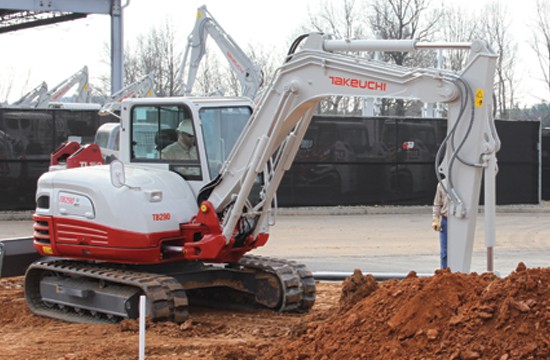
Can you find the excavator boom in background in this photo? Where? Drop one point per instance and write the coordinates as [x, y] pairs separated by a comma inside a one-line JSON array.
[[32, 98], [249, 75], [78, 81], [180, 231], [144, 87]]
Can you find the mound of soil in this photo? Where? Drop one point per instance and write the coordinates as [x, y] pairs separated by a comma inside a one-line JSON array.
[[447, 316]]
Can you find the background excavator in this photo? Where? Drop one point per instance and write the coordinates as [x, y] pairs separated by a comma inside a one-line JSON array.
[[78, 81], [33, 97], [249, 75], [144, 87], [41, 98], [180, 231]]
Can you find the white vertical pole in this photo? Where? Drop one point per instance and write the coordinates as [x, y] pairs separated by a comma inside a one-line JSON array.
[[490, 200], [142, 316]]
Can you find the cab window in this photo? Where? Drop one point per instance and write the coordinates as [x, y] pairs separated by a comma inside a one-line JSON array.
[[221, 127], [165, 134]]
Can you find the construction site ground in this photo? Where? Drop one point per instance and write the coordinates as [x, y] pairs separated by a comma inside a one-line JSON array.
[[441, 316]]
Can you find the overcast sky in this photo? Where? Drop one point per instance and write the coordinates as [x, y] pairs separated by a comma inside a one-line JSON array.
[[53, 53]]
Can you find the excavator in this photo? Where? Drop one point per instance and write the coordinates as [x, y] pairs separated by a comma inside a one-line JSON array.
[[33, 97], [78, 79], [249, 75], [180, 231], [144, 87]]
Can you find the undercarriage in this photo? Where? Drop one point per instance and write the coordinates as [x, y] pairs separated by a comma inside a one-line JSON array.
[[87, 292]]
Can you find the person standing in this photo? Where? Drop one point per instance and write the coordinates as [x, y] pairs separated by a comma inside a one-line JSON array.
[[439, 220]]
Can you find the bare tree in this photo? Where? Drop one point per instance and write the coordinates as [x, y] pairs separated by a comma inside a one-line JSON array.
[[132, 70], [541, 39], [496, 26], [458, 25], [156, 52], [7, 81], [346, 21], [210, 76], [268, 60], [6, 86], [131, 65], [404, 19]]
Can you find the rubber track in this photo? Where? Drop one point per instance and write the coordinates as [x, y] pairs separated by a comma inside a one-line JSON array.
[[297, 281], [165, 296]]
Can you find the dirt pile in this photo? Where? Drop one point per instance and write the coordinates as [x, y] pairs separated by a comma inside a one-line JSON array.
[[447, 316]]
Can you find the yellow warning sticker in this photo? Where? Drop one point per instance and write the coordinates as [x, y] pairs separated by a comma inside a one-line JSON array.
[[479, 97]]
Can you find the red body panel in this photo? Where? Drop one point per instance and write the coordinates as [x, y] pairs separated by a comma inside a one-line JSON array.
[[87, 155], [63, 151], [75, 155], [201, 239]]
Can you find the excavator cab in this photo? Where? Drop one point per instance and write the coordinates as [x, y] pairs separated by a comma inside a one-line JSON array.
[[152, 126]]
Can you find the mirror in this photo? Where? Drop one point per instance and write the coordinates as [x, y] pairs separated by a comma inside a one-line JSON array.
[[118, 178]]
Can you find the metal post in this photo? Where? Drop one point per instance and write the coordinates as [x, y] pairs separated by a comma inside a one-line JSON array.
[[490, 198], [117, 74], [142, 316]]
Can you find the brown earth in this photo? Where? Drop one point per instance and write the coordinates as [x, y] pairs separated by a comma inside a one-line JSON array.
[[446, 316]]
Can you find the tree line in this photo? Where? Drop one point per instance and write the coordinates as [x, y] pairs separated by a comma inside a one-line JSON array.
[[159, 51]]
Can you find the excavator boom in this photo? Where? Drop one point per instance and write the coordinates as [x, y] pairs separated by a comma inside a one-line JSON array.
[[33, 97], [278, 125], [78, 80], [144, 87], [249, 75]]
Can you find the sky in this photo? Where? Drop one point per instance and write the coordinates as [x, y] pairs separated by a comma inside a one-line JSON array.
[[53, 53]]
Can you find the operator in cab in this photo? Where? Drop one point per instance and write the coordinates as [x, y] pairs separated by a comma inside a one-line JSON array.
[[184, 148]]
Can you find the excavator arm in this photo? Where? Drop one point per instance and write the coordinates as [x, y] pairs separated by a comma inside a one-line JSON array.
[[144, 87], [30, 99], [272, 138], [79, 79], [248, 74]]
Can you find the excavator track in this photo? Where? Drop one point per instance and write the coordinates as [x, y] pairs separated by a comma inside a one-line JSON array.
[[298, 284], [83, 292], [86, 293]]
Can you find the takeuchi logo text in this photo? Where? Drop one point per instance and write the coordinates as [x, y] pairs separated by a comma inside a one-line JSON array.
[[357, 83]]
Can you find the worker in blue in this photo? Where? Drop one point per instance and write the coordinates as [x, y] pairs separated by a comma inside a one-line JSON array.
[[439, 220]]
